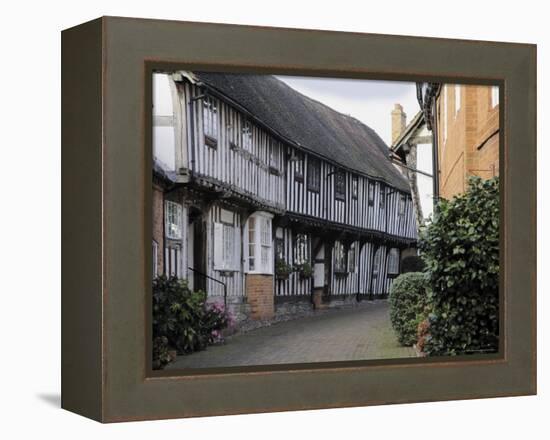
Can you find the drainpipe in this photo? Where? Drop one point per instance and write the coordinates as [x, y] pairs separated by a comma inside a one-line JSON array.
[[435, 148]]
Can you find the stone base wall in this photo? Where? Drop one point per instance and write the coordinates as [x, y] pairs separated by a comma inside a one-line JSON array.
[[260, 296]]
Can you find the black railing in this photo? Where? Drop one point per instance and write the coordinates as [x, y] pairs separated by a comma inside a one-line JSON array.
[[198, 272]]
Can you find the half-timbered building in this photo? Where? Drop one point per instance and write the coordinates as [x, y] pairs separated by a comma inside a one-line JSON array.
[[262, 195]]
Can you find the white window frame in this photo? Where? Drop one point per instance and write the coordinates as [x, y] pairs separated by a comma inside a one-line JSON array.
[[226, 246], [495, 97], [259, 244], [173, 217], [458, 100], [176, 253], [393, 261]]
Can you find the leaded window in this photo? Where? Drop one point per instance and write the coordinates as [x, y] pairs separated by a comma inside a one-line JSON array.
[[371, 194], [246, 134], [393, 261], [313, 174], [340, 185], [383, 197], [401, 209], [298, 165], [210, 121], [173, 220], [339, 257], [301, 249], [376, 263]]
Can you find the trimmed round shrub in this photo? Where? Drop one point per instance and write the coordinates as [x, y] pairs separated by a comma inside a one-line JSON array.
[[461, 250], [412, 263], [408, 299]]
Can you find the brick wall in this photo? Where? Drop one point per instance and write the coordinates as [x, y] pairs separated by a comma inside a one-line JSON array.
[[259, 293], [158, 225], [472, 143]]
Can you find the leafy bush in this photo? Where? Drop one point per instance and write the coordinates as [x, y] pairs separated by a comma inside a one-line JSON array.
[[408, 298], [412, 263], [461, 250], [161, 353], [184, 317]]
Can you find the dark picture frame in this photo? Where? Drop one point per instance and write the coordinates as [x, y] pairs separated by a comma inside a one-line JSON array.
[[106, 200]]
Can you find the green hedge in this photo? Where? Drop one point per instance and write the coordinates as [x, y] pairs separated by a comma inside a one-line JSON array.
[[461, 251], [408, 299]]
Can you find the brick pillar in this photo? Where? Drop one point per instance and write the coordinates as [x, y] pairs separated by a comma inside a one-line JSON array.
[[318, 298], [259, 292]]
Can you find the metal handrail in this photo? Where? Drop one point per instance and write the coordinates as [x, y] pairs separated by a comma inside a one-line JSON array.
[[215, 280]]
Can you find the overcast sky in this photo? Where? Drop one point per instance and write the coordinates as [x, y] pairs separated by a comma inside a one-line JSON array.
[[369, 101]]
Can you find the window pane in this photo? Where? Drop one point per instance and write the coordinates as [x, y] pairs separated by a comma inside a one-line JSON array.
[[210, 118], [247, 136], [371, 193], [313, 174], [340, 185], [228, 245], [173, 220]]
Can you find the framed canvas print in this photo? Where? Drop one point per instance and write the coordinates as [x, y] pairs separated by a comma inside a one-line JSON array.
[[263, 219]]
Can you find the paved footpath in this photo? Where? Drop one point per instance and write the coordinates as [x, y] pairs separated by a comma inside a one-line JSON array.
[[353, 334]]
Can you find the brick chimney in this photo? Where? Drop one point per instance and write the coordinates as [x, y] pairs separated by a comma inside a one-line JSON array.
[[398, 122]]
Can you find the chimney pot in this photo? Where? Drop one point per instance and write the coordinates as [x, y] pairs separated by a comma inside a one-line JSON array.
[[398, 122]]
